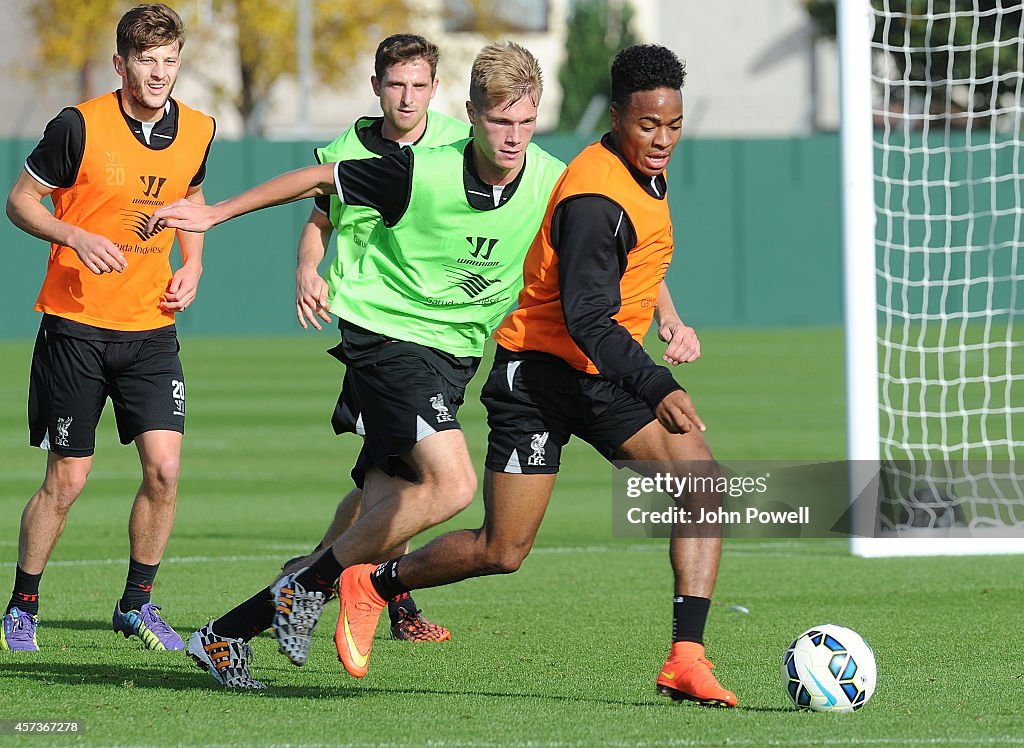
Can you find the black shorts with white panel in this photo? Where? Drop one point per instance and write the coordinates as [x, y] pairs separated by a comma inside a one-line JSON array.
[[76, 367], [396, 393], [535, 402]]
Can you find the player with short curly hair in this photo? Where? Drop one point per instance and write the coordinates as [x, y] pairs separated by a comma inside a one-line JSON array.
[[644, 67]]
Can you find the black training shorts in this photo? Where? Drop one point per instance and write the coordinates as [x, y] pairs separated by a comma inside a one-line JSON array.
[[396, 393], [73, 377], [536, 401]]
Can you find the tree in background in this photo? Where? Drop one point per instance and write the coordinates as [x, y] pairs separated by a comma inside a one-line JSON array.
[[345, 32], [977, 56], [255, 37], [74, 37], [78, 36], [597, 29], [492, 19]]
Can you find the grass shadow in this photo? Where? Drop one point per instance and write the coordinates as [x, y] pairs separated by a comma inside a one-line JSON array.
[[181, 677]]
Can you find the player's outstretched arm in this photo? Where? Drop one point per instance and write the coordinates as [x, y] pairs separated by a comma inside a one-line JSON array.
[[184, 285], [683, 345], [186, 215]]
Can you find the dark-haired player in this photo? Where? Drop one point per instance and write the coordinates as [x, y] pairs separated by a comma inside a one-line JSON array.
[[570, 361], [405, 80]]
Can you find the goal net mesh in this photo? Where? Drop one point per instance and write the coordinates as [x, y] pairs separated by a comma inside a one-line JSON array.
[[948, 79]]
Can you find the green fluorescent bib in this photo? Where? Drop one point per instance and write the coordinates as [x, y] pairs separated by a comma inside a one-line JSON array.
[[354, 223], [446, 274]]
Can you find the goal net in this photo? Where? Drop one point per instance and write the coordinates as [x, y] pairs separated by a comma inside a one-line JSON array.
[[943, 413]]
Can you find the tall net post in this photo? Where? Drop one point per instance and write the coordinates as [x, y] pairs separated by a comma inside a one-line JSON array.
[[943, 407]]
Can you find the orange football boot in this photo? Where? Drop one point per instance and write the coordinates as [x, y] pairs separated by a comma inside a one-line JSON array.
[[687, 676], [357, 620]]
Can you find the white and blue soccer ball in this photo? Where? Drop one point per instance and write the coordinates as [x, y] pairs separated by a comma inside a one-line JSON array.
[[829, 668]]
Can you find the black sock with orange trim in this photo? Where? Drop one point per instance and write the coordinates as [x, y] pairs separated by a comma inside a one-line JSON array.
[[25, 596], [399, 604], [137, 585]]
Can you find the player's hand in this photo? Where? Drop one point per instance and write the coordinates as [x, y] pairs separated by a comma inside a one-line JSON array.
[[98, 253], [683, 344], [310, 298], [676, 413], [185, 215], [181, 291]]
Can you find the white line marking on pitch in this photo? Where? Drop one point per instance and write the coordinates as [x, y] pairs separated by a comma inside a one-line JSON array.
[[543, 550]]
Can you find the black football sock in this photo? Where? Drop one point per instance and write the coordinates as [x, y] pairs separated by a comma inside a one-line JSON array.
[[399, 604], [322, 575], [137, 585], [385, 580], [25, 596], [689, 614], [245, 621]]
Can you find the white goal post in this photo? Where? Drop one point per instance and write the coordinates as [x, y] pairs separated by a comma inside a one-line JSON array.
[[933, 232]]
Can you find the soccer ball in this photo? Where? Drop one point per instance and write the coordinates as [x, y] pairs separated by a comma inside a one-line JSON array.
[[829, 669]]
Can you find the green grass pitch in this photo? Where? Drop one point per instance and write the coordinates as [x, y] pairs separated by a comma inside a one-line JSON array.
[[563, 653]]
